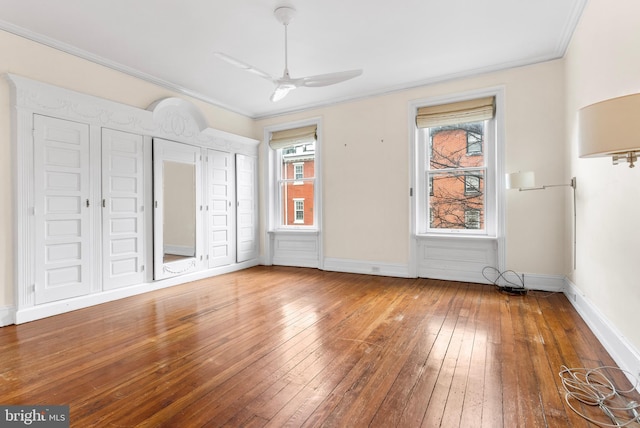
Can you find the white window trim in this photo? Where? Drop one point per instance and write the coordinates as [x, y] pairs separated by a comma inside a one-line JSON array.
[[271, 192], [309, 238], [419, 183]]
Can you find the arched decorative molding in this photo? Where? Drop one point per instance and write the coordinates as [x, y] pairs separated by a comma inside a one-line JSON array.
[[175, 116], [170, 118]]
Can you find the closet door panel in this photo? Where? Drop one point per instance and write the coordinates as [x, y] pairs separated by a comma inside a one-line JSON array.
[[61, 209], [247, 218], [122, 208], [220, 208]]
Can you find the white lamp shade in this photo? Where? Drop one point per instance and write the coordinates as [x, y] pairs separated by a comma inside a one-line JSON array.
[[610, 127], [520, 180]]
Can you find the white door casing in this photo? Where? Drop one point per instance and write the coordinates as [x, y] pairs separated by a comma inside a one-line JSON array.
[[61, 209], [122, 209]]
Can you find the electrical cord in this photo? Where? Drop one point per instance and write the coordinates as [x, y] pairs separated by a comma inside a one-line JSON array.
[[593, 388], [509, 287]]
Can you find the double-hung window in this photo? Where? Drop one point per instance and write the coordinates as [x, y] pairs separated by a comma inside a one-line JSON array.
[[295, 175], [456, 159]]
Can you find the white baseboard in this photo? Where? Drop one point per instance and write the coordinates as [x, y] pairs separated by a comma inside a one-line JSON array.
[[7, 315], [55, 308], [366, 267], [622, 352], [541, 282]]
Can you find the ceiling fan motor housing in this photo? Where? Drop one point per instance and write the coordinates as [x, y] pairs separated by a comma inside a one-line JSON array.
[[284, 14]]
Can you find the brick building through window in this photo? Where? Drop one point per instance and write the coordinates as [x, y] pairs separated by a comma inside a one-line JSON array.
[[456, 176]]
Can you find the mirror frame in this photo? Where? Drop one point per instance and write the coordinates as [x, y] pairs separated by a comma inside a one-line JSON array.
[[165, 150]]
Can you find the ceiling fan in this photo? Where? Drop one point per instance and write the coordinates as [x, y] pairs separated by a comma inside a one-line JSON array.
[[286, 83]]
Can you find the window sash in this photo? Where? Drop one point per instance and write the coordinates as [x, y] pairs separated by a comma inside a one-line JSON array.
[[438, 156], [469, 187], [288, 212]]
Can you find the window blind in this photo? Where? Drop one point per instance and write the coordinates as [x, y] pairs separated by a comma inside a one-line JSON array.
[[459, 112], [289, 137]]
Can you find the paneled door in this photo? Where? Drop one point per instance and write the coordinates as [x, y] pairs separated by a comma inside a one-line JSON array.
[[122, 209], [220, 208], [61, 209], [247, 218]]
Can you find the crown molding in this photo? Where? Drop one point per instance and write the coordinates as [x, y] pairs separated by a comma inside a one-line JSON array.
[[72, 50]]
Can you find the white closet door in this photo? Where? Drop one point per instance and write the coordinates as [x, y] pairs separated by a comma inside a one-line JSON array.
[[122, 209], [247, 226], [220, 209], [61, 209]]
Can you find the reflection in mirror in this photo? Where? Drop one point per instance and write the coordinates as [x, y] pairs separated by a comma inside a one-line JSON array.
[[179, 227]]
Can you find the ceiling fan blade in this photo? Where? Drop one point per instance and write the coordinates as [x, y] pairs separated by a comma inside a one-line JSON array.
[[328, 79], [243, 65]]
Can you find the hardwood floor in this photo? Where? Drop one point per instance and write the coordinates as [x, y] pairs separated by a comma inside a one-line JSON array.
[[275, 346]]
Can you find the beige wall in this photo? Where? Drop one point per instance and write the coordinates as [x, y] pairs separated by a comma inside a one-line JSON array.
[[603, 62], [23, 57], [366, 169]]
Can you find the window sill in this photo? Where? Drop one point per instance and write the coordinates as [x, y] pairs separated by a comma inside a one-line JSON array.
[[295, 230], [456, 236]]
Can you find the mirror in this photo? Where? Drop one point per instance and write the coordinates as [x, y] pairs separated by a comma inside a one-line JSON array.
[[179, 226], [176, 172]]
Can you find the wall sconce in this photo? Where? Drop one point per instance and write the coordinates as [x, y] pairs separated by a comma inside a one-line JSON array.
[[608, 128], [524, 181]]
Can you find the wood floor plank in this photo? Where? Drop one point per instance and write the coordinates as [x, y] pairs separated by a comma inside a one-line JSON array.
[[492, 406], [472, 407], [278, 346]]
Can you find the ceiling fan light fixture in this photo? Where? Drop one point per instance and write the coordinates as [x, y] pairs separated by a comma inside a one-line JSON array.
[[281, 91]]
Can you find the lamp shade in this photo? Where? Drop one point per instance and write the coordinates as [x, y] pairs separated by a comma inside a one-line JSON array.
[[520, 180], [609, 127]]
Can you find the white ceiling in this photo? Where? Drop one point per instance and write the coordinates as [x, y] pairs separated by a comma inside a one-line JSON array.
[[398, 44]]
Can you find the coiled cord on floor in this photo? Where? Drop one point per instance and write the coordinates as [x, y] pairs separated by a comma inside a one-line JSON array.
[[508, 286], [593, 388]]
